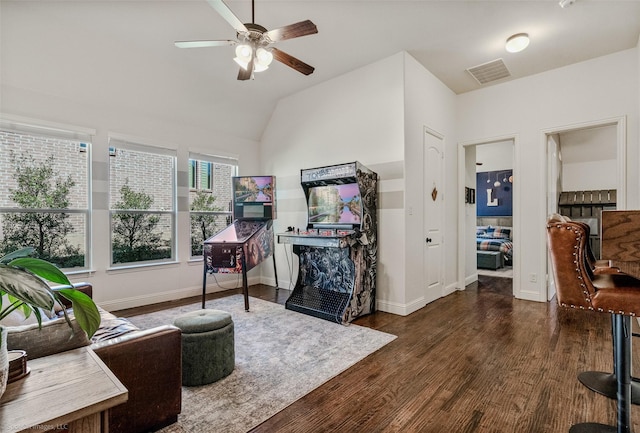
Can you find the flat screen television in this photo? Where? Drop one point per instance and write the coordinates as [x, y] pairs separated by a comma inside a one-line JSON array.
[[254, 197], [335, 204]]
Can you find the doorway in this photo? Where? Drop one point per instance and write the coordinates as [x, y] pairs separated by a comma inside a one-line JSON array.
[[467, 216], [586, 172], [494, 209]]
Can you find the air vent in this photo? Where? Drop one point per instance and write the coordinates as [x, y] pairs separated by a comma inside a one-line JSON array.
[[490, 71]]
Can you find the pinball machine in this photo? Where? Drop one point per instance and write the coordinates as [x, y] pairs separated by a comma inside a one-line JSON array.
[[249, 239]]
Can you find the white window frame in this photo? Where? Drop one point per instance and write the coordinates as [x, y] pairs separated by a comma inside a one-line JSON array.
[[23, 125], [138, 145], [211, 159]]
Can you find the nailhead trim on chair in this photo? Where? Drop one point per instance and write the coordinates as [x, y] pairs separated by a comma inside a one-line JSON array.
[[580, 277], [579, 274]]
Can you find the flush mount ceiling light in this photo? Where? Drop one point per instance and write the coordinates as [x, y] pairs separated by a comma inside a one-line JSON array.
[[517, 42], [566, 3]]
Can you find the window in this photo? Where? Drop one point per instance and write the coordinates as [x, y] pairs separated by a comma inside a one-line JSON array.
[[209, 197], [142, 197], [45, 201]]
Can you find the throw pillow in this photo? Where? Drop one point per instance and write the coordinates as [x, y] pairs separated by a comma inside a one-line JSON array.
[[54, 336]]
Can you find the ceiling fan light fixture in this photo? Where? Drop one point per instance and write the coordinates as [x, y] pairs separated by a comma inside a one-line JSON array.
[[241, 62], [263, 59], [264, 56], [517, 42], [252, 52], [257, 67], [244, 53]]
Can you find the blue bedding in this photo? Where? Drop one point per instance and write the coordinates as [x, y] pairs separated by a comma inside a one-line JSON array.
[[496, 244]]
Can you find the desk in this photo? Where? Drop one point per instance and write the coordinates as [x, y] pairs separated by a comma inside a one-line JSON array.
[[72, 389], [621, 240]]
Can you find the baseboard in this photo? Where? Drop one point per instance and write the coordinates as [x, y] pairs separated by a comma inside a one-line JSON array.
[[471, 279], [172, 295], [450, 289], [399, 309]]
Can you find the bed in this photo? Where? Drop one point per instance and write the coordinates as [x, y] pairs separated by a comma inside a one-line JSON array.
[[494, 239]]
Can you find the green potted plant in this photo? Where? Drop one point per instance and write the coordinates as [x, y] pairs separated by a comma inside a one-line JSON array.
[[23, 280]]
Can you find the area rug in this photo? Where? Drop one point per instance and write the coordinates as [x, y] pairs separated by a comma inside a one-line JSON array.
[[281, 355]]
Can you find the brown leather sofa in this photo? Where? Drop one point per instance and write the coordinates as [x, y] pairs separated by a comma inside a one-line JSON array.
[[147, 362]]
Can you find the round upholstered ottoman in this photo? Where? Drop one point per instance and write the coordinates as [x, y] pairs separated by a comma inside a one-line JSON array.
[[208, 352]]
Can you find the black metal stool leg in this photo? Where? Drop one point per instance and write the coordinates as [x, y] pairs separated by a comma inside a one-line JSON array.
[[605, 383], [622, 347]]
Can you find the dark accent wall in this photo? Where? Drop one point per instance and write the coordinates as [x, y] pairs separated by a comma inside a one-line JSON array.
[[498, 201]]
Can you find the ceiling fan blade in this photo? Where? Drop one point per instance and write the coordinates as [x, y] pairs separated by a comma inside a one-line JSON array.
[[245, 74], [292, 62], [203, 44], [291, 31], [228, 15]]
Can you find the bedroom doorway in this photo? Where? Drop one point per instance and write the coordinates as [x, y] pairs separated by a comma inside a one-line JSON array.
[[494, 209], [497, 159]]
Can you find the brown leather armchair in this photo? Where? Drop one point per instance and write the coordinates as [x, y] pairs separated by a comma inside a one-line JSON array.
[[619, 295], [597, 266]]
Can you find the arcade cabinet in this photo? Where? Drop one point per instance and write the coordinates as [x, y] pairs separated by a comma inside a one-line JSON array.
[[248, 241], [337, 251]]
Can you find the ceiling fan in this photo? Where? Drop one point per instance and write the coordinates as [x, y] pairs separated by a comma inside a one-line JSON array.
[[253, 53]]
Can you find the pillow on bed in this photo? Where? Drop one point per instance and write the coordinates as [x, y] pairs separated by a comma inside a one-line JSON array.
[[486, 229]]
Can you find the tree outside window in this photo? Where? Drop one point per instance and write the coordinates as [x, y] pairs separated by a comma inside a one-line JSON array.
[[209, 199], [44, 204], [142, 197]]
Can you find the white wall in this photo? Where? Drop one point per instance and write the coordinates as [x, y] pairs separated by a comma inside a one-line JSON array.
[[602, 88], [355, 117], [495, 156], [428, 103], [375, 115], [589, 159]]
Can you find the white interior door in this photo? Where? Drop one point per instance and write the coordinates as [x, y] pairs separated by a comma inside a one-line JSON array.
[[433, 189]]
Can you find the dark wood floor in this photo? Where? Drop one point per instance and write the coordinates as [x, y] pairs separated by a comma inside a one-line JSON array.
[[475, 361]]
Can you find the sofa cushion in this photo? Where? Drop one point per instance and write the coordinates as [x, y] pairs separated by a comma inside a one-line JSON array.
[[54, 336]]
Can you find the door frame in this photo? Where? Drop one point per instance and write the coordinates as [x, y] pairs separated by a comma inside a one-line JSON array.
[[462, 224], [621, 184]]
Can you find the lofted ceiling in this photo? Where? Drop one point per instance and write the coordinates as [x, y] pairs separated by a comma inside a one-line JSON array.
[[110, 51]]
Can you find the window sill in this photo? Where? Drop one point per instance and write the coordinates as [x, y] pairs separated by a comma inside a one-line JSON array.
[[140, 267]]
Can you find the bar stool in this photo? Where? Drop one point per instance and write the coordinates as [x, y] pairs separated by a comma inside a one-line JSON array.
[[599, 381], [619, 295]]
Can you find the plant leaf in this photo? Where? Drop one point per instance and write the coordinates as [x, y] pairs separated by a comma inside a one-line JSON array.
[[26, 287], [84, 310], [41, 268], [24, 252]]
